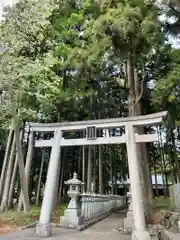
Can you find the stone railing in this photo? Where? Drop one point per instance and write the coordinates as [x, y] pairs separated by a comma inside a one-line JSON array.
[[117, 202], [93, 206]]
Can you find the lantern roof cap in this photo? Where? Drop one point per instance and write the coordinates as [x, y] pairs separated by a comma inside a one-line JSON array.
[[74, 180]]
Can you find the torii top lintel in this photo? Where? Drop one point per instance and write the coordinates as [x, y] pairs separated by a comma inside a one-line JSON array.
[[101, 123]]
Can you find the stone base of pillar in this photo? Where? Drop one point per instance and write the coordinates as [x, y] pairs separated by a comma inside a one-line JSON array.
[[129, 222], [71, 219], [144, 235], [66, 223], [44, 230]]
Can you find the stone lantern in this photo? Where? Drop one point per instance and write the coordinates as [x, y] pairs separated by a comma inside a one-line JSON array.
[[74, 186], [72, 218]]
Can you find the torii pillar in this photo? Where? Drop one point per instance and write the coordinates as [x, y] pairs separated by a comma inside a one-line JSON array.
[[44, 227], [139, 232]]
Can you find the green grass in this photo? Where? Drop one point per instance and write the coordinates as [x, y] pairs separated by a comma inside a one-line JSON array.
[[162, 203]]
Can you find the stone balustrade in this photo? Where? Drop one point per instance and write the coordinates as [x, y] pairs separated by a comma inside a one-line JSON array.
[[94, 207], [116, 201]]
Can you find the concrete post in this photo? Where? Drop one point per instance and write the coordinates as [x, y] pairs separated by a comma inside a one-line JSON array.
[[139, 232], [44, 227]]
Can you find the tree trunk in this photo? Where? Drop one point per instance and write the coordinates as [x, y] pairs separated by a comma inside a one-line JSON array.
[[101, 190], [94, 189], [14, 175], [134, 110], [64, 157], [111, 170], [40, 177], [83, 168], [156, 181], [131, 85], [23, 181], [6, 157], [27, 166], [164, 166], [162, 174], [142, 150], [79, 161], [8, 178], [167, 186], [175, 157], [172, 162], [10, 197], [115, 180], [89, 176], [61, 182], [56, 195]]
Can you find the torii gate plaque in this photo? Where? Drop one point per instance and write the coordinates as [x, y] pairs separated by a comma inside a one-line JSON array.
[[140, 232]]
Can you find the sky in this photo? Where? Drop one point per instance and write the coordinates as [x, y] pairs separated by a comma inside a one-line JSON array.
[[6, 2]]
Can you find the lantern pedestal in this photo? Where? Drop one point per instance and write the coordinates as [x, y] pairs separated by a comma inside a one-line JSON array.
[[72, 216], [71, 219]]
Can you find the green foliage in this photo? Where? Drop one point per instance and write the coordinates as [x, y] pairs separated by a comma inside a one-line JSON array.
[[26, 66], [162, 203], [125, 26], [28, 85], [26, 29], [168, 86]]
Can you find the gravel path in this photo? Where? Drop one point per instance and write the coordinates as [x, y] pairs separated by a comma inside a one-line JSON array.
[[106, 229]]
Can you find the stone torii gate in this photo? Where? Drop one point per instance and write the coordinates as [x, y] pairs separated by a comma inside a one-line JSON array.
[[130, 138]]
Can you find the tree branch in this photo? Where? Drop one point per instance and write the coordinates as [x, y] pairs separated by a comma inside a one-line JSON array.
[[141, 93], [174, 10]]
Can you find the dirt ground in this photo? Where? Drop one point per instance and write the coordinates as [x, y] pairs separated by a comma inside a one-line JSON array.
[[106, 229], [13, 221], [4, 229]]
